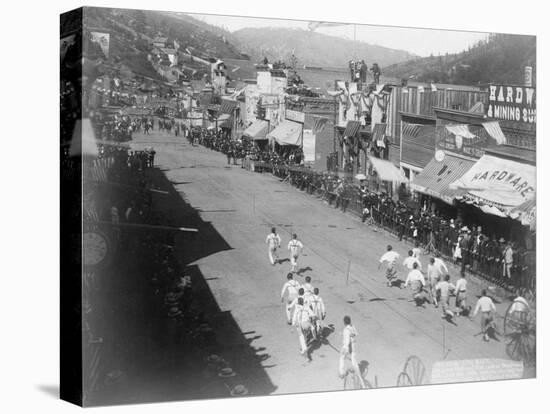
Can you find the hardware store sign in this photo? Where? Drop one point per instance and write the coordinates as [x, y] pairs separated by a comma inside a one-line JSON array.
[[512, 103]]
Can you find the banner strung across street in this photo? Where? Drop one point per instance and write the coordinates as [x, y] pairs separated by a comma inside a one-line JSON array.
[[512, 103]]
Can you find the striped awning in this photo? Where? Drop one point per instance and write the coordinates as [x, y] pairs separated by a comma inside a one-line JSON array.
[[526, 213], [228, 106], [352, 127], [434, 180], [378, 132]]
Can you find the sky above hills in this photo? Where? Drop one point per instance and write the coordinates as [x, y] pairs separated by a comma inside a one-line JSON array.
[[421, 42]]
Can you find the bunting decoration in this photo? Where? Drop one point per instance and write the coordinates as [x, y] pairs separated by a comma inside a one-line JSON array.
[[411, 130], [460, 130], [493, 129], [319, 124]]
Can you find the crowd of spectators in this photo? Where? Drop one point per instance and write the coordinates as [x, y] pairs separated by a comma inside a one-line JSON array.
[[508, 263]]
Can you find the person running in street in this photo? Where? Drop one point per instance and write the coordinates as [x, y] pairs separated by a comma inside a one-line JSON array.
[[308, 287], [434, 276], [317, 306], [273, 241], [389, 258], [440, 265], [302, 321], [410, 261], [444, 289], [417, 282], [460, 303], [487, 307], [295, 246], [349, 349], [291, 289]]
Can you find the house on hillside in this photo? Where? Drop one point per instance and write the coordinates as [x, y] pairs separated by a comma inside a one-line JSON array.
[[172, 56], [160, 42]]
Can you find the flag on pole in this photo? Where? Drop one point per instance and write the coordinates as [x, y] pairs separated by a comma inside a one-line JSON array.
[[460, 130], [493, 129]]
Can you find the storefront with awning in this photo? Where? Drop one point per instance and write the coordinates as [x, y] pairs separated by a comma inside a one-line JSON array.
[[287, 133], [436, 178], [384, 175], [417, 143], [387, 171], [228, 106], [225, 121], [499, 186], [257, 130]]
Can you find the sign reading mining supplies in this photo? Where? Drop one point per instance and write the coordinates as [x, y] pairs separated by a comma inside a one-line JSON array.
[[512, 103]]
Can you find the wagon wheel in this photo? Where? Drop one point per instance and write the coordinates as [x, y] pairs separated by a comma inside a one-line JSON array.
[[415, 369], [521, 344], [515, 321], [403, 380]]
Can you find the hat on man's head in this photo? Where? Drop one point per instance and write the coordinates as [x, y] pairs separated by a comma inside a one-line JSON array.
[[174, 311], [501, 240], [226, 372], [238, 391], [465, 228]]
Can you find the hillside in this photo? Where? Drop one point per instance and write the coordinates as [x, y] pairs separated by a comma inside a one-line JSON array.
[[311, 48], [132, 32], [499, 59]]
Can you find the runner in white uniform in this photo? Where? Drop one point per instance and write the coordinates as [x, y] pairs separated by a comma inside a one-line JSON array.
[[317, 305], [389, 258], [295, 246], [273, 241], [302, 322], [291, 288]]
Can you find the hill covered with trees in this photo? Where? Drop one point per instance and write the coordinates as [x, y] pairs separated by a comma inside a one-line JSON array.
[[311, 48], [501, 58]]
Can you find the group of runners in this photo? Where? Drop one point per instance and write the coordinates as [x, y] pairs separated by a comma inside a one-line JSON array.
[[305, 308], [437, 288], [306, 311]]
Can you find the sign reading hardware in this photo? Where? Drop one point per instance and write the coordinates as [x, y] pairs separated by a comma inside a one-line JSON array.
[[512, 103]]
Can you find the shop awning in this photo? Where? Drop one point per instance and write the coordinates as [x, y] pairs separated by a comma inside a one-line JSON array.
[[435, 179], [498, 182], [352, 127], [227, 106], [378, 132], [225, 121], [287, 133], [257, 130], [387, 171], [526, 212]]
